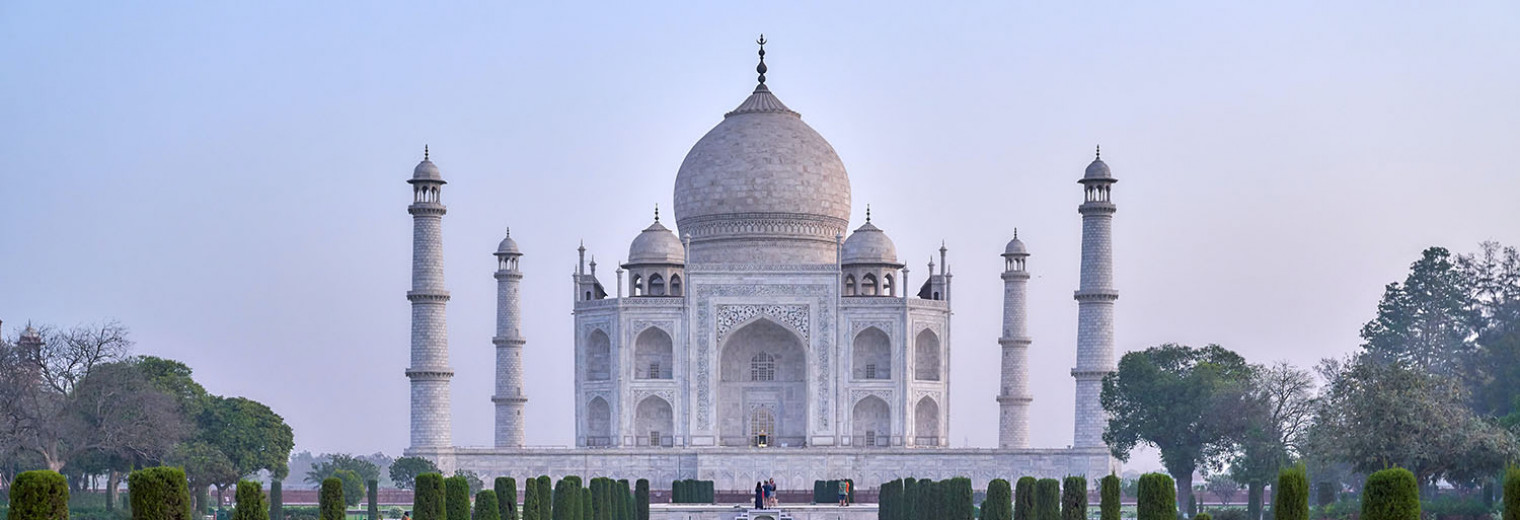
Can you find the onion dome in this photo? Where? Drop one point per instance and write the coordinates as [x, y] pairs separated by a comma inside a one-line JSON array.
[[869, 245], [426, 170], [656, 245], [762, 175], [508, 246], [1098, 170], [1015, 246]]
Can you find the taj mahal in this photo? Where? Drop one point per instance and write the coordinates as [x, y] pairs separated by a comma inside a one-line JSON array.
[[762, 337]]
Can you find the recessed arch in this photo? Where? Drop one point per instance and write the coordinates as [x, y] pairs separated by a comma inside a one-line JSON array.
[[868, 285], [926, 356], [871, 355], [598, 356], [598, 422], [849, 285], [637, 285], [871, 423], [675, 285], [926, 430], [762, 364], [656, 285], [654, 422], [653, 354]]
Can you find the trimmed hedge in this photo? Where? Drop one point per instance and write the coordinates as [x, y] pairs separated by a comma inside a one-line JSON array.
[[889, 500], [373, 495], [1158, 497], [506, 497], [957, 496], [1109, 498], [692, 491], [39, 495], [1512, 493], [485, 506], [545, 498], [427, 502], [1290, 497], [159, 493], [925, 501], [625, 490], [456, 497], [1047, 499], [1023, 498], [330, 505], [1074, 498], [530, 499], [999, 502], [1391, 494], [276, 500], [1203, 516], [641, 499], [250, 502]]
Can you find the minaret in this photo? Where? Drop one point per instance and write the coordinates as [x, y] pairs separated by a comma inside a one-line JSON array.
[[1095, 304], [432, 426], [1013, 398], [509, 342]]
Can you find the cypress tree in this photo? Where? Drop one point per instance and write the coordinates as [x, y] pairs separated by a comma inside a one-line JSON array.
[[925, 501], [374, 498], [1023, 498], [159, 493], [1203, 516], [530, 499], [39, 495], [630, 511], [250, 502], [909, 501], [456, 497], [1158, 498], [1047, 499], [545, 498], [958, 499], [506, 497], [585, 504], [1391, 494], [485, 506], [1290, 498], [1074, 498], [1512, 493], [641, 499], [276, 499], [1109, 498], [427, 502], [330, 504], [999, 502]]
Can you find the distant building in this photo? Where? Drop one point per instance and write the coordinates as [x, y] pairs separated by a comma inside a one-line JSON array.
[[761, 342]]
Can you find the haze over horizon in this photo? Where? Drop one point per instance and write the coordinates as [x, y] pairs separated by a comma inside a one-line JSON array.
[[229, 180]]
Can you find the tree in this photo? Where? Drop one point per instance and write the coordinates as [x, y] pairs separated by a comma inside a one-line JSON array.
[[276, 499], [999, 502], [404, 470], [204, 465], [506, 497], [1157, 498], [428, 502], [1023, 499], [1290, 497], [641, 500], [39, 495], [1512, 493], [1391, 494], [485, 506], [1170, 397], [365, 469], [545, 498], [1494, 275], [470, 478], [1109, 498], [373, 489], [1269, 425], [249, 434], [159, 493], [331, 500], [1222, 486], [250, 502], [530, 499], [1074, 499], [1047, 499], [456, 497], [1428, 320], [957, 496]]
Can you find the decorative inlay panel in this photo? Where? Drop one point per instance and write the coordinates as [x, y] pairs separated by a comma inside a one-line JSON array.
[[794, 315]]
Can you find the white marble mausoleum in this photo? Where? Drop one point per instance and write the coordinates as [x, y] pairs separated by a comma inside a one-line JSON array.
[[762, 337]]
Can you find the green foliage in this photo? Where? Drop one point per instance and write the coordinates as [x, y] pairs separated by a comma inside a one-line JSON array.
[[404, 470], [1290, 497], [957, 499], [365, 469], [1047, 499], [999, 502], [473, 481], [456, 498], [250, 502], [428, 502], [630, 510], [691, 491], [373, 486], [545, 498], [276, 500], [486, 507], [564, 497], [1023, 498], [353, 486], [1074, 499], [330, 502], [890, 501], [641, 499], [1512, 493], [248, 433], [159, 493], [1202, 516], [530, 499], [1109, 500], [1391, 494], [506, 497], [39, 495], [1324, 494], [1158, 497]]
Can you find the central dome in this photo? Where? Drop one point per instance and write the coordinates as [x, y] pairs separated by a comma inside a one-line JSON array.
[[762, 187]]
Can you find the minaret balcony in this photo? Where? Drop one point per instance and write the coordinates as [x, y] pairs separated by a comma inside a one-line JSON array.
[[1096, 295]]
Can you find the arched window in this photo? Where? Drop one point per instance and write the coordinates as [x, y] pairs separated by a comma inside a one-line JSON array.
[[761, 422], [675, 285], [868, 285], [656, 285], [886, 285], [598, 356], [638, 285], [926, 356], [762, 367], [849, 285]]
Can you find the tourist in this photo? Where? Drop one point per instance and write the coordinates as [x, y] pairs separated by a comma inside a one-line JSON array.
[[759, 496], [844, 493]]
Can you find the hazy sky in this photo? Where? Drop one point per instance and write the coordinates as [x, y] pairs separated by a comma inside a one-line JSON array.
[[227, 178]]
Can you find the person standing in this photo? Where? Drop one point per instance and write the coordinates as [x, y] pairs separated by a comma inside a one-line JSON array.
[[844, 493], [759, 496]]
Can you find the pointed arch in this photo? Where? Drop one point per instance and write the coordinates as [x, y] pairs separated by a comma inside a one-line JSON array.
[[887, 288], [598, 422], [598, 356], [849, 285], [871, 423], [926, 356], [675, 285], [637, 285], [654, 422], [762, 364], [653, 354], [656, 285], [868, 285], [871, 355], [926, 431]]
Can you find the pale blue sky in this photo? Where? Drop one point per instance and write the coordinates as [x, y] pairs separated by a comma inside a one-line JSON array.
[[228, 178]]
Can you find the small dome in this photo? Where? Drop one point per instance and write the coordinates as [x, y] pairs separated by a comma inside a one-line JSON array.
[[1015, 247], [656, 245], [426, 171], [1098, 170], [508, 246], [869, 245]]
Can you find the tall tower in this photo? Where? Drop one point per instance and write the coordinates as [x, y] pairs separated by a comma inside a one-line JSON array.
[[509, 342], [1095, 304], [432, 426], [1013, 398]]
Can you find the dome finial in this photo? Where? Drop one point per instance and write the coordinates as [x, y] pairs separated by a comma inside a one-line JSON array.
[[868, 213], [761, 68], [657, 212], [1015, 232], [425, 152], [1098, 156]]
